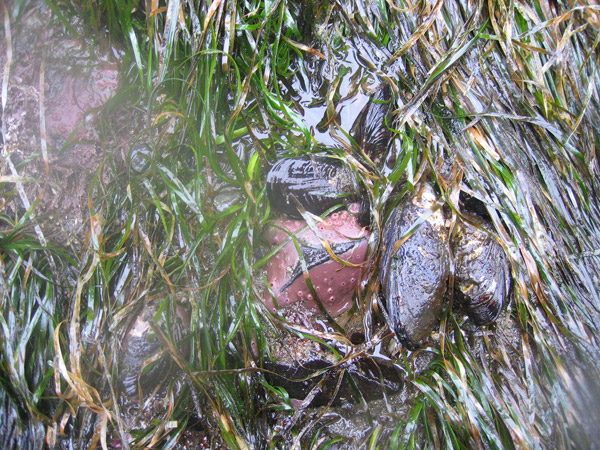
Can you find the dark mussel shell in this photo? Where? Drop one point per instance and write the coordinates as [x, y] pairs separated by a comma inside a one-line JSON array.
[[482, 280], [140, 362], [370, 131], [415, 276], [317, 183]]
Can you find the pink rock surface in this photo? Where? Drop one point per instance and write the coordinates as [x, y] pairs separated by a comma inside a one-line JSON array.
[[333, 282], [78, 96]]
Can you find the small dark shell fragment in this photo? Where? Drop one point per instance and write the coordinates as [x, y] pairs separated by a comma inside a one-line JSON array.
[[317, 183], [482, 278], [370, 131], [140, 363], [140, 158], [414, 274]]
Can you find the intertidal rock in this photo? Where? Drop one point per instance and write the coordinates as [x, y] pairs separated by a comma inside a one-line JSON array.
[[414, 269], [333, 258]]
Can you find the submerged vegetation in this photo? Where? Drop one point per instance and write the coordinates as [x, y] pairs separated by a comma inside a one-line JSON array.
[[497, 98]]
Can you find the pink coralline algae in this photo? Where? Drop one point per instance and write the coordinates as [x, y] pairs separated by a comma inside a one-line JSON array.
[[334, 282]]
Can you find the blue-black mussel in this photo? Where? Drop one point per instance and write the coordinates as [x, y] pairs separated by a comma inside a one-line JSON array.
[[482, 281], [144, 362], [316, 183], [415, 267]]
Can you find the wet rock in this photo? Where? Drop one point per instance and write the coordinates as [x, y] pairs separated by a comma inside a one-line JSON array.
[[55, 89], [76, 95], [318, 183], [297, 361], [414, 270], [482, 278], [334, 282]]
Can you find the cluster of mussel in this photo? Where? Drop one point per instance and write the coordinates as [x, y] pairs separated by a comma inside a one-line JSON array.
[[320, 264], [319, 260], [321, 251]]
